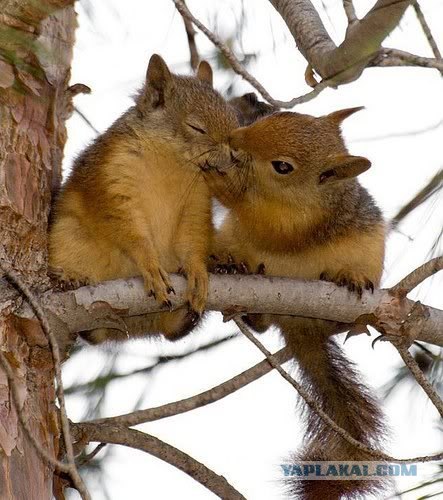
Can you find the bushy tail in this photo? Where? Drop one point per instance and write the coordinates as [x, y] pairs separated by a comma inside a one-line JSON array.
[[333, 381]]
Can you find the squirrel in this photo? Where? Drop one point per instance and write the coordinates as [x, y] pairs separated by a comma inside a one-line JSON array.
[[249, 109], [296, 209], [136, 202]]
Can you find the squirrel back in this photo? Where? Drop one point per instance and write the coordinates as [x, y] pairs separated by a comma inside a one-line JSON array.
[[297, 210]]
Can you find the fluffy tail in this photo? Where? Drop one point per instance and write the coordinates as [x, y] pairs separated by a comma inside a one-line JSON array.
[[333, 381]]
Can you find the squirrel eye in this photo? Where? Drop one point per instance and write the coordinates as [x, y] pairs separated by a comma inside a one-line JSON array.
[[197, 129], [282, 167]]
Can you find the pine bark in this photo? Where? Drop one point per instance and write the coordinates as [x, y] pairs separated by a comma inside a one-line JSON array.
[[36, 40]]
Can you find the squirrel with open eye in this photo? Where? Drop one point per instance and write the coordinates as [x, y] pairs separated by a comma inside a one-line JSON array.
[[296, 209], [136, 203]]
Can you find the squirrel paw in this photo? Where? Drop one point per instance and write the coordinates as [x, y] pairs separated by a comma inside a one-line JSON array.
[[355, 282], [61, 282], [158, 285], [197, 291], [230, 266]]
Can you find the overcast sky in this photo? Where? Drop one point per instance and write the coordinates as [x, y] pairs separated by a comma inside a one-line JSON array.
[[247, 435]]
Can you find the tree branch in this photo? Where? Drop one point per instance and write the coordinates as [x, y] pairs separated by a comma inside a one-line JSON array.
[[204, 398], [432, 187], [315, 406], [240, 69], [190, 34], [417, 276], [114, 434], [394, 57], [420, 377], [363, 39], [106, 303], [427, 30], [309, 400], [349, 9]]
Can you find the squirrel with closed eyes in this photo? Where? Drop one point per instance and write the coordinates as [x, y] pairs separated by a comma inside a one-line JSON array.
[[135, 202], [296, 209]]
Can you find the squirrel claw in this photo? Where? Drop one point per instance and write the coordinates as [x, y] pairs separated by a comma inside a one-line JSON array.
[[354, 282], [261, 268], [167, 304], [170, 289], [193, 316], [380, 338]]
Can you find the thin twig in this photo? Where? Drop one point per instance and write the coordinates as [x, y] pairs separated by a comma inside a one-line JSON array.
[[42, 453], [204, 398], [115, 434], [387, 57], [412, 280], [316, 407], [424, 194], [238, 67], [190, 34], [39, 312], [420, 377], [398, 135], [85, 119], [90, 456], [348, 6], [427, 31]]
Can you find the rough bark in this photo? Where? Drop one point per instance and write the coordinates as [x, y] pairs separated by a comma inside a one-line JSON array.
[[36, 39]]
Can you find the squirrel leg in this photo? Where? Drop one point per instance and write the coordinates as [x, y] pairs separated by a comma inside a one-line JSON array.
[[197, 290], [192, 245], [156, 279], [172, 325]]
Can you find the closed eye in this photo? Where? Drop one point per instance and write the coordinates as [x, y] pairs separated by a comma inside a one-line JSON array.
[[197, 129], [282, 167]]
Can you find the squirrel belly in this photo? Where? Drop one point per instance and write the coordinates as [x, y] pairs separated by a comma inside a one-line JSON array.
[[295, 209], [136, 202]]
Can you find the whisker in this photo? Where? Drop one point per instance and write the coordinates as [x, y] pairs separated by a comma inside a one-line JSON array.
[[187, 192]]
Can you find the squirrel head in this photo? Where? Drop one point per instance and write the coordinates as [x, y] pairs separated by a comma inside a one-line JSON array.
[[294, 156], [186, 110]]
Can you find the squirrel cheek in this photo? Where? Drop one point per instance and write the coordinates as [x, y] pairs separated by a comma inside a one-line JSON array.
[[237, 138]]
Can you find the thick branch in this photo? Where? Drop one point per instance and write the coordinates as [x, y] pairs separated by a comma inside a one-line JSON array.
[[363, 39], [106, 303], [164, 451]]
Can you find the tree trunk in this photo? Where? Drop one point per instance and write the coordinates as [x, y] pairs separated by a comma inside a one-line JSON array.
[[36, 39]]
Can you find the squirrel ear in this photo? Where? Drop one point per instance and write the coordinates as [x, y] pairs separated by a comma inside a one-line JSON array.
[[204, 72], [342, 114], [158, 78], [250, 97], [342, 167]]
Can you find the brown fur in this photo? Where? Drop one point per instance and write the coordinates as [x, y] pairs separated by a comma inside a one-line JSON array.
[[316, 221], [249, 109], [136, 203]]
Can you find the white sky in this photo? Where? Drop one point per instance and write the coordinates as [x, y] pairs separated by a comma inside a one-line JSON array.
[[245, 436]]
